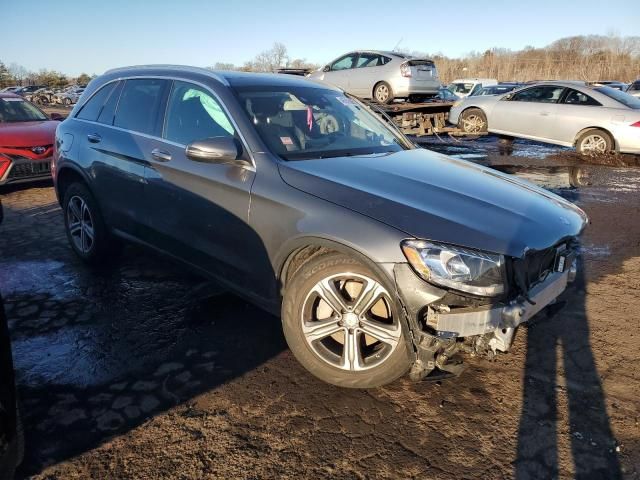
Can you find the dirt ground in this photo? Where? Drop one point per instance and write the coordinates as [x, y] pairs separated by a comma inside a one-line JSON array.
[[141, 371]]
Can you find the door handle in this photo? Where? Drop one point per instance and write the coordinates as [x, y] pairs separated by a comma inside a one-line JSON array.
[[160, 155], [94, 138], [544, 114]]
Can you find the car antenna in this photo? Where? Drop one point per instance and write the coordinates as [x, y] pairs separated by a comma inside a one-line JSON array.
[[397, 44]]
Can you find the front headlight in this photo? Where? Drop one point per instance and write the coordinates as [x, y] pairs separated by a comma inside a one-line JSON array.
[[472, 271]]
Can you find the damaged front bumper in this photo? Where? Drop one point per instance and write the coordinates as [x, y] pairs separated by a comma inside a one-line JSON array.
[[500, 320], [438, 331]]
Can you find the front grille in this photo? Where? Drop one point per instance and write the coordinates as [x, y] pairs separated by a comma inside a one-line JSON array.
[[30, 169], [533, 268]]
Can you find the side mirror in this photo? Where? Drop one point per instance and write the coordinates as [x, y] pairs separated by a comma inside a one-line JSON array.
[[215, 150], [56, 116], [326, 68]]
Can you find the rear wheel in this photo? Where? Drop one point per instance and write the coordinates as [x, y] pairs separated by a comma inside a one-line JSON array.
[[382, 93], [473, 120], [85, 228], [594, 142], [341, 323]]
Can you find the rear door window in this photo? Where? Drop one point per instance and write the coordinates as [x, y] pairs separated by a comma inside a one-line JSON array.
[[194, 114], [91, 109], [369, 60], [140, 105]]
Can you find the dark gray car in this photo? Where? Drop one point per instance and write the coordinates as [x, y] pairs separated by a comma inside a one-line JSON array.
[[379, 256]]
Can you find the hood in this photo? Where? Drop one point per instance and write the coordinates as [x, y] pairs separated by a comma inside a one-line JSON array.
[[434, 197], [28, 134]]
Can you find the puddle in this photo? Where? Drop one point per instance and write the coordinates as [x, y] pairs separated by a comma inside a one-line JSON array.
[[38, 276], [550, 177], [595, 250]]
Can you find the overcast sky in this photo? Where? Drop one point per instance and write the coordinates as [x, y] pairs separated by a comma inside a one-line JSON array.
[[75, 36]]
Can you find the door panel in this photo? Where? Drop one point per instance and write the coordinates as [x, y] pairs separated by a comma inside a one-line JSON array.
[[117, 166], [199, 211], [530, 113], [341, 71]]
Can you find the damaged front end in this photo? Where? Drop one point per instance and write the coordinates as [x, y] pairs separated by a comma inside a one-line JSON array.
[[445, 322]]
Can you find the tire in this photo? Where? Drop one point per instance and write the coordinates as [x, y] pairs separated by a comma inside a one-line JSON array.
[[473, 120], [382, 93], [594, 142], [81, 210], [326, 356]]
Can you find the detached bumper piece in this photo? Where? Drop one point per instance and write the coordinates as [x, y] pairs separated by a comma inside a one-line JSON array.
[[500, 321]]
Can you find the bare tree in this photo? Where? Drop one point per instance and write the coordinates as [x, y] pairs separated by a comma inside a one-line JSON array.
[[18, 72]]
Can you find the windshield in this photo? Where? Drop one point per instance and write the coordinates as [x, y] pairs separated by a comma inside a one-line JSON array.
[[461, 87], [308, 122], [19, 110], [622, 97]]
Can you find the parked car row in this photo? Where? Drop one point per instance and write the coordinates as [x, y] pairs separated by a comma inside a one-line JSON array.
[[63, 96], [43, 95]]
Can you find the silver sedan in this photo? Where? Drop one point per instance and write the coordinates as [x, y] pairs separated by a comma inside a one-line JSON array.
[[594, 119], [382, 76]]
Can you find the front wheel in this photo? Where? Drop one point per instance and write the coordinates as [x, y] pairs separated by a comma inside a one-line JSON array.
[[341, 323], [594, 142], [473, 120]]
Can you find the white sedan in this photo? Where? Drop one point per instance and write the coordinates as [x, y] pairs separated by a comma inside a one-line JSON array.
[[594, 119]]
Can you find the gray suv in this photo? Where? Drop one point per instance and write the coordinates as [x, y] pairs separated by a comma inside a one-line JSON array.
[[380, 257]]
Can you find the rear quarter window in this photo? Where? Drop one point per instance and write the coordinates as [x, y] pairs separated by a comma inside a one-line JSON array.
[[92, 108]]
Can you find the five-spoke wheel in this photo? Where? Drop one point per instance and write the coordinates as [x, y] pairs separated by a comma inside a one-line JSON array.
[[341, 323]]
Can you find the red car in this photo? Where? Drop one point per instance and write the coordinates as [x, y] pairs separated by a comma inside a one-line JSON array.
[[26, 140]]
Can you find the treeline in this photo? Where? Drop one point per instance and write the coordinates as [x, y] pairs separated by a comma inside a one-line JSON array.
[[587, 58], [15, 74], [268, 61]]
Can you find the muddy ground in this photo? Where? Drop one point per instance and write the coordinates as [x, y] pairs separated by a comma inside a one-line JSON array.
[[141, 370]]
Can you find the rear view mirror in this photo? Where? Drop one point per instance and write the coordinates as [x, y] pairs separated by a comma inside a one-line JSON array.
[[507, 96], [326, 68], [215, 150]]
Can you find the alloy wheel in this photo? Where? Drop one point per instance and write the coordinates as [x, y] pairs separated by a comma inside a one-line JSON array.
[[347, 320], [594, 144], [473, 123], [80, 224]]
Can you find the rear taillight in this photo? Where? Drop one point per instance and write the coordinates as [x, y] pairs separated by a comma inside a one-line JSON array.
[[405, 70], [4, 165], [637, 124]]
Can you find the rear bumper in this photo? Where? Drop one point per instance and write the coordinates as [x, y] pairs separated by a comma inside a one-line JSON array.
[[26, 170], [403, 87]]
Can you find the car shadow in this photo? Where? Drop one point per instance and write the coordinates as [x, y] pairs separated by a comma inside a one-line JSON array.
[[561, 376], [98, 352]]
